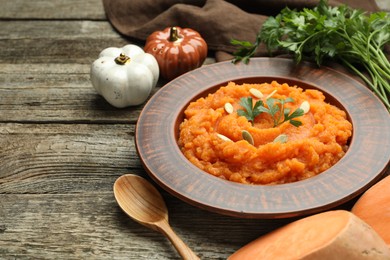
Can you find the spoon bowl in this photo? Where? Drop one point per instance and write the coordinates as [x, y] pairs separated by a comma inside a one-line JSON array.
[[141, 201]]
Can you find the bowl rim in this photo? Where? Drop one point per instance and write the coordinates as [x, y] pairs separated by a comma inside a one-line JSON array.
[[156, 144]]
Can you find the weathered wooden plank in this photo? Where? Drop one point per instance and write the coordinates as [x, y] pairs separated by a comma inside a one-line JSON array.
[[49, 29], [56, 41], [91, 226], [55, 93], [52, 9], [65, 158], [78, 51]]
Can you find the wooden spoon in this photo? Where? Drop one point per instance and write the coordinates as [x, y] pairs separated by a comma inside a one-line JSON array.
[[141, 201]]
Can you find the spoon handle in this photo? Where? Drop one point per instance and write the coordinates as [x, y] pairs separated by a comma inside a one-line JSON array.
[[185, 252]]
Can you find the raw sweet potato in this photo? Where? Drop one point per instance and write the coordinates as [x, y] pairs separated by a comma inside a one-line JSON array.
[[337, 234], [374, 208]]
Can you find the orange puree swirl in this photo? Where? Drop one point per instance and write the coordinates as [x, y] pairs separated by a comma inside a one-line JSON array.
[[311, 148]]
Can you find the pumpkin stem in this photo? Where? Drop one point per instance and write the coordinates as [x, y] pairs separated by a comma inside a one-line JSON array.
[[174, 35], [122, 59]]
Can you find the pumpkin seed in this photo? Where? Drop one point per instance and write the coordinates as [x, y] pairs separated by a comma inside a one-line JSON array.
[[224, 137], [271, 94], [282, 138], [256, 93], [305, 106], [229, 108], [247, 137]]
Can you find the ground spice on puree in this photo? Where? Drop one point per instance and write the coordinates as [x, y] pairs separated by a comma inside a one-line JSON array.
[[310, 149]]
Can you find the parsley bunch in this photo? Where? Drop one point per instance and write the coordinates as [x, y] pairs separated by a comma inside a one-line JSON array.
[[352, 36]]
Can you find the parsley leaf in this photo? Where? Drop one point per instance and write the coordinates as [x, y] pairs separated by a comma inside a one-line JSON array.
[[280, 114], [246, 50], [250, 111]]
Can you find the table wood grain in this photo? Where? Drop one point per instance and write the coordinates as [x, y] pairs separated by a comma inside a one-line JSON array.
[[63, 147]]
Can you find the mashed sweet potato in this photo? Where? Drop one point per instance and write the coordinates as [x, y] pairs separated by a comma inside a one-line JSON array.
[[311, 148]]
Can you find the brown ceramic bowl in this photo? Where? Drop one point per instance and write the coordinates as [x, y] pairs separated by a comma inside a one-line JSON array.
[[364, 163]]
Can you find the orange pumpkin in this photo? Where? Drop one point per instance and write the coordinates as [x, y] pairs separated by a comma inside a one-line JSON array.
[[177, 50]]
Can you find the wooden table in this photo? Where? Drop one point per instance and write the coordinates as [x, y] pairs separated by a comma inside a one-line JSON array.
[[63, 146]]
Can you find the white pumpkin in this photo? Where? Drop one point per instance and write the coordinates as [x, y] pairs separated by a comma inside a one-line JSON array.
[[124, 76]]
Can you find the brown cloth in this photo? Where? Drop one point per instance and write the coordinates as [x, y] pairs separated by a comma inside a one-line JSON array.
[[217, 21]]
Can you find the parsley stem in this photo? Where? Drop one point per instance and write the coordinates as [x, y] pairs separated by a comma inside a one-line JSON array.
[[383, 98]]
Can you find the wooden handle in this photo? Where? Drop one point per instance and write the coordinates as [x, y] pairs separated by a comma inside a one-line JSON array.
[[185, 252]]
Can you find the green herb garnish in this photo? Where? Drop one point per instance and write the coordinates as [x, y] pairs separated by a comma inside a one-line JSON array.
[[250, 111], [276, 109], [354, 37], [281, 114]]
